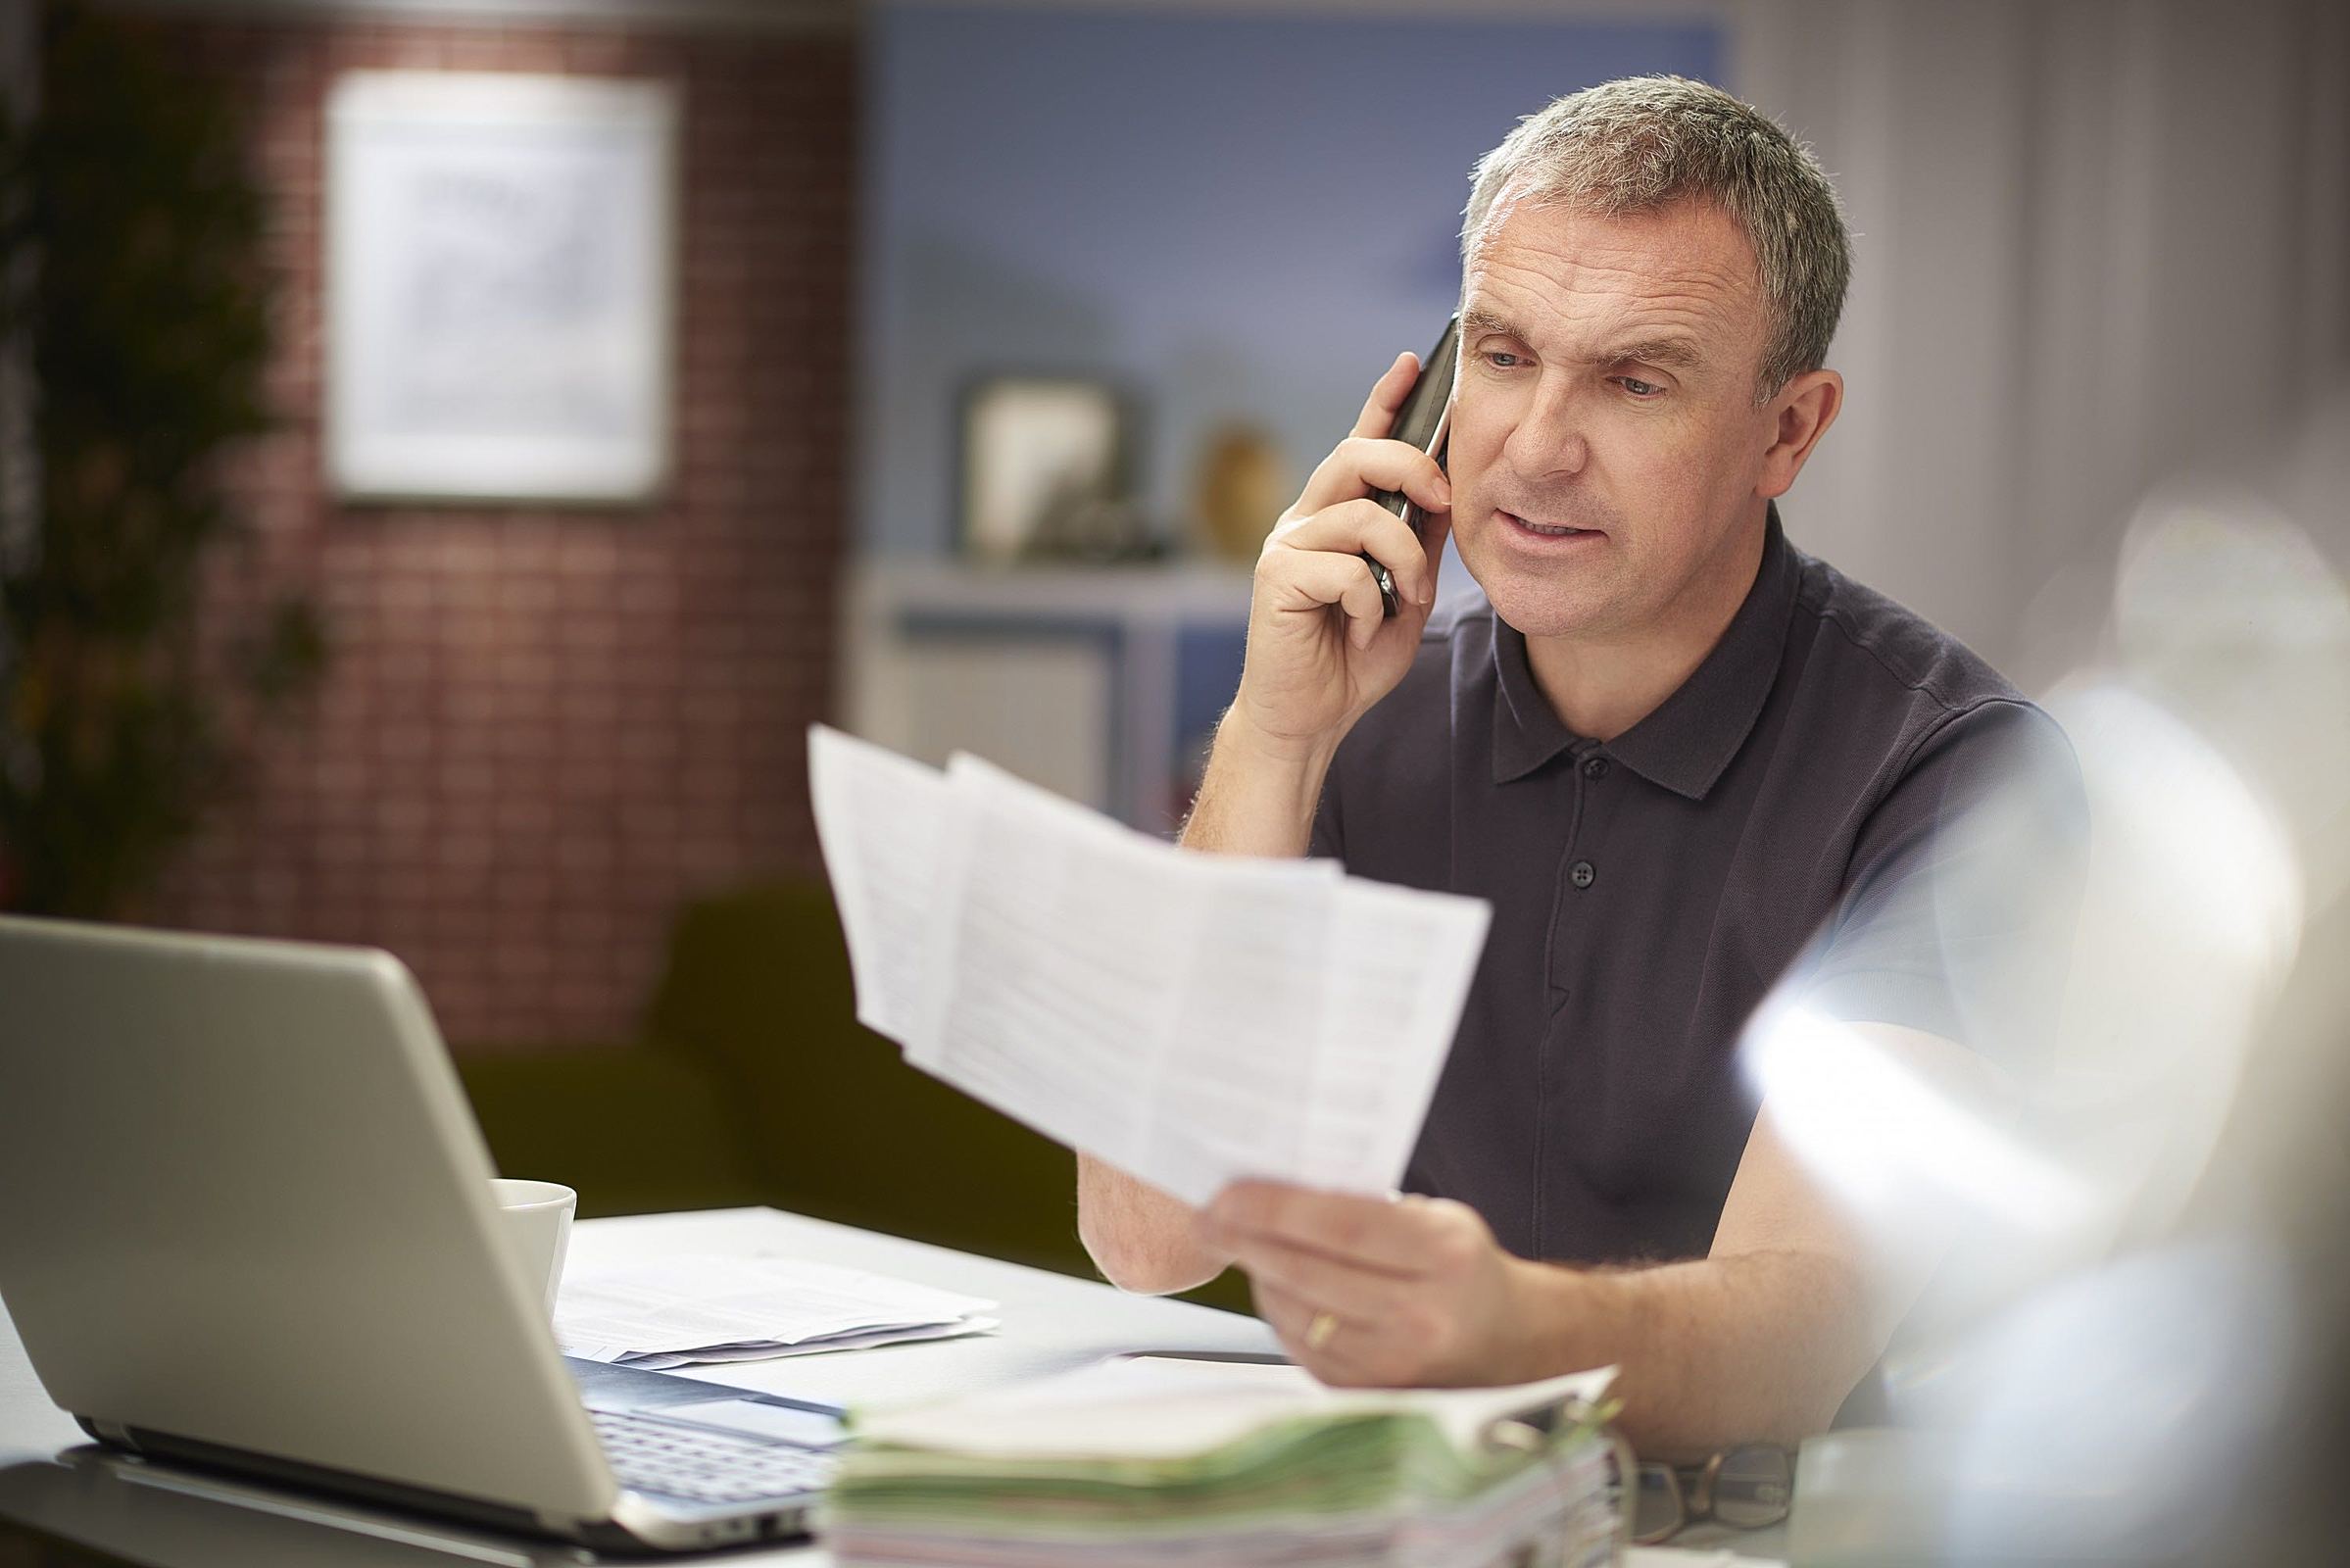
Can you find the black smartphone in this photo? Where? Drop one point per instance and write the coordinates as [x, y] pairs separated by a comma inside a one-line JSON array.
[[1424, 420]]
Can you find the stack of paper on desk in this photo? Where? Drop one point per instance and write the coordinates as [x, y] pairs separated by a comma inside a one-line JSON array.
[[1150, 1462], [673, 1311], [1192, 1018]]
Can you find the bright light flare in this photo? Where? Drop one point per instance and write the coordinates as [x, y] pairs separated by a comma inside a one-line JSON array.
[[2232, 618], [1896, 1153]]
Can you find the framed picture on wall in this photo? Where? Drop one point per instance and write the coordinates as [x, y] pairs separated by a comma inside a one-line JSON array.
[[1045, 470], [499, 286]]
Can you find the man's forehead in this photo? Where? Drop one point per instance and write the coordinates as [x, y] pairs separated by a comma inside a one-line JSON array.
[[1682, 270]]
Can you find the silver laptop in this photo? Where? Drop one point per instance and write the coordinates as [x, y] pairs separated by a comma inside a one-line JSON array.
[[245, 1222]]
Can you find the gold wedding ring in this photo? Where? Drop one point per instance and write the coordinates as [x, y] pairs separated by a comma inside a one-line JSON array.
[[1319, 1331]]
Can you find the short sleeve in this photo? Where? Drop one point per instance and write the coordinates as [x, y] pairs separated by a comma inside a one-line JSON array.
[[1958, 909]]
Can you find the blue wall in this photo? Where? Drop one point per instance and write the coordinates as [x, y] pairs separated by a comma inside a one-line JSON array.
[[1232, 215]]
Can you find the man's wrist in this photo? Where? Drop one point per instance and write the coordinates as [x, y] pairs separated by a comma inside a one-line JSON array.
[[1260, 790], [1267, 753], [1546, 1320]]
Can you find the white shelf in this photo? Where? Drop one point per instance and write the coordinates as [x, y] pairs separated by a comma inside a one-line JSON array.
[[1066, 674], [1179, 591]]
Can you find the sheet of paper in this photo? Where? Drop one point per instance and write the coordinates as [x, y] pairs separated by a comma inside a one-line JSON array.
[[1405, 961], [1236, 1061], [761, 1350], [714, 1307], [1158, 1008], [879, 818], [1052, 923], [1191, 1018]]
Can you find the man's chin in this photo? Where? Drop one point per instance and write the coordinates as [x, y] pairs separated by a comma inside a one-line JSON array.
[[1540, 608]]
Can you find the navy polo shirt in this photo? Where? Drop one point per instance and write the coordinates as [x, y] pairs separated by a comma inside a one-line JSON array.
[[1783, 814]]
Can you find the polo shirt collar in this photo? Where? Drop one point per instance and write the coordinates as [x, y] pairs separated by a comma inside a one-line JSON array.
[[1690, 739]]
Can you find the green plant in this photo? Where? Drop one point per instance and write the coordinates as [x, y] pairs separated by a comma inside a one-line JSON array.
[[131, 263]]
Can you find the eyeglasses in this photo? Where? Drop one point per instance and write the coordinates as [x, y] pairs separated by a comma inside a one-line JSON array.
[[1744, 1487]]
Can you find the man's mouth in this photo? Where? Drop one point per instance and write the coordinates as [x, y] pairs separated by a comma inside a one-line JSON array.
[[1545, 530]]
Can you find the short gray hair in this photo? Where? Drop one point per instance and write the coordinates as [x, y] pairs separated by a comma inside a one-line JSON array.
[[1646, 142]]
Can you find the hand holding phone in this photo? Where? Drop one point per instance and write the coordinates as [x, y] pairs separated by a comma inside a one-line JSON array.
[[1326, 638]]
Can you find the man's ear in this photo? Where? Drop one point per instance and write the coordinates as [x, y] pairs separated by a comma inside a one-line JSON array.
[[1800, 415]]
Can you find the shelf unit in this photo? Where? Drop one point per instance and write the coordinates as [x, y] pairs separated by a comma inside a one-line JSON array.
[[1098, 682]]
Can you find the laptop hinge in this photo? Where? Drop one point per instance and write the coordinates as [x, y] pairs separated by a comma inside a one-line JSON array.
[[112, 1432]]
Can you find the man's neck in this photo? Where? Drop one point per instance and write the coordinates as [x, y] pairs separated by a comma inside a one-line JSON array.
[[1601, 686]]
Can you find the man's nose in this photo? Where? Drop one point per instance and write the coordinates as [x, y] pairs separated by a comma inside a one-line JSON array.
[[1549, 440]]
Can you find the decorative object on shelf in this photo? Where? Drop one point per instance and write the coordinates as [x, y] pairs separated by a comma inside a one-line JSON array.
[[1241, 489], [499, 286], [1046, 471], [135, 271]]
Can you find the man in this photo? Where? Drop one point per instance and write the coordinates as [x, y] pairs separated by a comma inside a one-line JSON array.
[[1670, 749]]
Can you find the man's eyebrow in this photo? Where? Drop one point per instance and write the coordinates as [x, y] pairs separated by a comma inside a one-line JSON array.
[[1479, 319], [1666, 353]]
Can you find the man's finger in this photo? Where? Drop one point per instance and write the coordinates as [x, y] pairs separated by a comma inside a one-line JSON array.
[[1311, 580], [1360, 465], [1388, 393], [1365, 525], [1340, 1357], [1361, 1288], [1371, 1231]]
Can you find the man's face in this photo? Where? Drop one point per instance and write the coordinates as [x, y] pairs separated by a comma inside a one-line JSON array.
[[1607, 379]]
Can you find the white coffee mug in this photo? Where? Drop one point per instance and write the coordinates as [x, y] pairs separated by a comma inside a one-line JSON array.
[[536, 1217]]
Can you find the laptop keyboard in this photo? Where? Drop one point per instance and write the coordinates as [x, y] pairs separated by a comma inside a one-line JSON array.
[[674, 1461]]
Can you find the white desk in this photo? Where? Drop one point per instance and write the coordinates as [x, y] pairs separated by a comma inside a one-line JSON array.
[[1050, 1323]]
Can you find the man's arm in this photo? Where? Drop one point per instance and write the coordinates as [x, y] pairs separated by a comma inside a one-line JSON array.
[[1958, 920], [1321, 653], [1760, 1340], [1258, 798]]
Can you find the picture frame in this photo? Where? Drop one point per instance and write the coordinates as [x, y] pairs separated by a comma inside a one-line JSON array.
[[1045, 470], [500, 280]]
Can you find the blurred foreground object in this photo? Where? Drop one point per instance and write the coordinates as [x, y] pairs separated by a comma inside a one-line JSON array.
[[2134, 1348], [131, 243]]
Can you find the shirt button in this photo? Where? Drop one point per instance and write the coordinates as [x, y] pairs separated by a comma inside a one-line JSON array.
[[1581, 875], [1595, 767]]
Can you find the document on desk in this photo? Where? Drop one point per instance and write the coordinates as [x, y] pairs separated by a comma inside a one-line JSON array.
[[1191, 1018], [1166, 1408], [1164, 1464], [672, 1311]]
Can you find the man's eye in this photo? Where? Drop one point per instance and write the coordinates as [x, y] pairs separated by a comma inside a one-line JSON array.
[[1494, 357], [1638, 388]]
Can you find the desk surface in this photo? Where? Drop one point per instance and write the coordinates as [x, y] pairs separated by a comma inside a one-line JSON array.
[[1050, 1323]]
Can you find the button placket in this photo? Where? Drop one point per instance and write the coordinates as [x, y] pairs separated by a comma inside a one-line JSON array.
[[1583, 873], [1555, 959], [1577, 910]]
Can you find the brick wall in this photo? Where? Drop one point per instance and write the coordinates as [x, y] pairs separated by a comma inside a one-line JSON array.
[[544, 728]]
